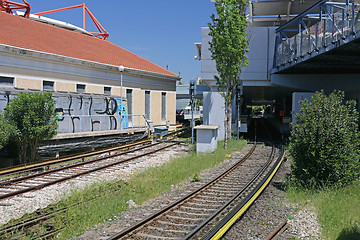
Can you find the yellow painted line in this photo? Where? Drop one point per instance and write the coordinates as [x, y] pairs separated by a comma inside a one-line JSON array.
[[226, 227]]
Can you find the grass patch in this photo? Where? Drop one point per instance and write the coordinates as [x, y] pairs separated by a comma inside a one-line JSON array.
[[146, 185], [155, 181], [338, 209], [80, 217]]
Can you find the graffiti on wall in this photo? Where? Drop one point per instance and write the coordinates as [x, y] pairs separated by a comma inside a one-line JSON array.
[[83, 113]]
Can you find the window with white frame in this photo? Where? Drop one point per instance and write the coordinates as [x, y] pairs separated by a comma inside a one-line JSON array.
[[48, 85], [80, 88], [147, 105], [6, 81]]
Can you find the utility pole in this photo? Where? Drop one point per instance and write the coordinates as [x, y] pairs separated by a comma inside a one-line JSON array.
[[192, 90]]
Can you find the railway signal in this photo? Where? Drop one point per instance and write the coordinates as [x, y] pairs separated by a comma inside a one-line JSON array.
[[239, 92], [192, 92]]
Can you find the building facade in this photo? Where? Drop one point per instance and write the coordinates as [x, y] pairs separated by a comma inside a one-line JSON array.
[[288, 27], [83, 73]]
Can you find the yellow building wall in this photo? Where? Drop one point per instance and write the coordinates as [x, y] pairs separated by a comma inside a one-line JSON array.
[[94, 89], [138, 106], [171, 107], [27, 83], [64, 86], [155, 105]]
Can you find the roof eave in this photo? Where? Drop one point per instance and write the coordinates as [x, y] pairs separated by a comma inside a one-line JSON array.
[[70, 60]]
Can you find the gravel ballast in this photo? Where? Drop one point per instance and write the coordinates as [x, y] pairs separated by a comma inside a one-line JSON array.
[[16, 207], [269, 210]]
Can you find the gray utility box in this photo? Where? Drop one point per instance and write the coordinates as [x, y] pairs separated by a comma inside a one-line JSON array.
[[161, 130], [206, 138]]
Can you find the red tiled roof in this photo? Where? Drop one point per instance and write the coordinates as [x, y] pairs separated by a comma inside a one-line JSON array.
[[25, 33]]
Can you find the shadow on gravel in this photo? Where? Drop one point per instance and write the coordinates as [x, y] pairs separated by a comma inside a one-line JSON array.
[[352, 233], [279, 185]]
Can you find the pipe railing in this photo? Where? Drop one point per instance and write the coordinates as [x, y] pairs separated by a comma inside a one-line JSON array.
[[335, 22]]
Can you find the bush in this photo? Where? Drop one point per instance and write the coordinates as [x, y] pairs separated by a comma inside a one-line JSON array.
[[324, 143], [29, 119], [3, 136]]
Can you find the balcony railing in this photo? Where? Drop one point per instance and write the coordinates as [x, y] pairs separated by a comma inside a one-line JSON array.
[[336, 21]]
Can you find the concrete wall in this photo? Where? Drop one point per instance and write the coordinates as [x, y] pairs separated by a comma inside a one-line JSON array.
[[88, 112], [79, 113], [296, 98], [260, 55], [214, 111]]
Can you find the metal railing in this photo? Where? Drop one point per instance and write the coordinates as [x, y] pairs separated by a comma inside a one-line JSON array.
[[197, 113], [336, 21]]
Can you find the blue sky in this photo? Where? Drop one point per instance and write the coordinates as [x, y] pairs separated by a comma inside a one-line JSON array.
[[162, 31]]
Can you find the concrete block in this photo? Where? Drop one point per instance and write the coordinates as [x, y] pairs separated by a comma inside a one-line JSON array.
[[207, 138]]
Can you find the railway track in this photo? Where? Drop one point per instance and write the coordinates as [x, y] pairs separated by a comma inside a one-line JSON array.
[[199, 212], [205, 213], [97, 161], [45, 165], [16, 170], [278, 231], [112, 159], [26, 228], [209, 211], [20, 185]]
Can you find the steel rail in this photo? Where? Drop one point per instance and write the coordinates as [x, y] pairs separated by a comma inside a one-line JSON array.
[[15, 193], [27, 222], [19, 179], [24, 168], [33, 166], [224, 225], [245, 188], [48, 215], [48, 235], [277, 231], [183, 199]]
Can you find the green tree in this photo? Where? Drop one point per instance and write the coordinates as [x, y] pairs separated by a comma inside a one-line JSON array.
[[3, 135], [324, 143], [29, 119], [228, 47]]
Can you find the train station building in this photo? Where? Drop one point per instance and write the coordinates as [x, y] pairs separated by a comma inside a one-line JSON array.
[[92, 79]]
